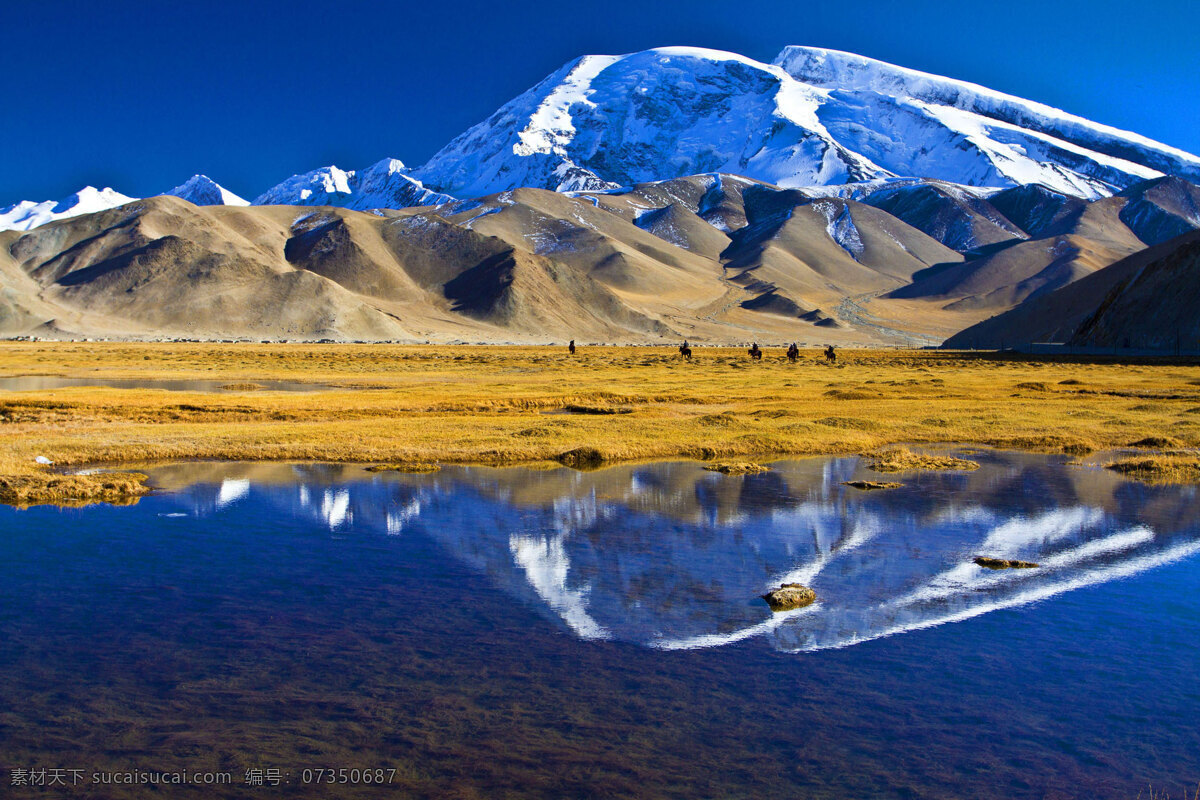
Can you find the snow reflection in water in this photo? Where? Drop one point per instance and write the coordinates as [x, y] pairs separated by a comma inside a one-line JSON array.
[[671, 556]]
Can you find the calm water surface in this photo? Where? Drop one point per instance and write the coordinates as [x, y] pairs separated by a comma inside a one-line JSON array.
[[520, 633], [40, 383]]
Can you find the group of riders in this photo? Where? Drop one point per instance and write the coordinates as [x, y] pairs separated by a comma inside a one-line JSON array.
[[756, 353]]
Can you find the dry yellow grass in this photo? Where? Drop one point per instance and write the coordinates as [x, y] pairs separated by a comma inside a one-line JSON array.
[[402, 404]]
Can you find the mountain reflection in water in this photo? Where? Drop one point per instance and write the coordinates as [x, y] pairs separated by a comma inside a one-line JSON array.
[[669, 555]]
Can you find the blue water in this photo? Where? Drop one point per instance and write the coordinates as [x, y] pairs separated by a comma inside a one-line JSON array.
[[521, 633]]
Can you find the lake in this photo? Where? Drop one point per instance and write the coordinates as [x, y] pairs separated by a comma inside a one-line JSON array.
[[42, 383], [486, 632]]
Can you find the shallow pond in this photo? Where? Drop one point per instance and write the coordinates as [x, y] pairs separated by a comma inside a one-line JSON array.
[[512, 632], [34, 383]]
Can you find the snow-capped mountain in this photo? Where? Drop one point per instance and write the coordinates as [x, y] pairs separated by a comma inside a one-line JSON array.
[[814, 117], [834, 123], [202, 190], [385, 184], [26, 215]]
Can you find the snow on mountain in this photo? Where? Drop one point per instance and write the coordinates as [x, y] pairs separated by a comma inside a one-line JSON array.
[[606, 121], [201, 190], [385, 184], [26, 215], [815, 117], [850, 73]]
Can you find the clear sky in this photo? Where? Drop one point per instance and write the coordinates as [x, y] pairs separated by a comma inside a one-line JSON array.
[[141, 95]]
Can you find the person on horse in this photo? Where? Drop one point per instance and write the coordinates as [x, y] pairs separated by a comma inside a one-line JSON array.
[[755, 352], [571, 347], [793, 353]]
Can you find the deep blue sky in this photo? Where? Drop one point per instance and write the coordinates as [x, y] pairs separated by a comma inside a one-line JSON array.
[[141, 95]]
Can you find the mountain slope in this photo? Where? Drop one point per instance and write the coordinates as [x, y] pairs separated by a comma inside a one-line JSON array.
[[1143, 300], [710, 257]]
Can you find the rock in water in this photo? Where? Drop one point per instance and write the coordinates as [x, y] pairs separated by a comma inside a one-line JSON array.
[[1004, 563], [790, 596]]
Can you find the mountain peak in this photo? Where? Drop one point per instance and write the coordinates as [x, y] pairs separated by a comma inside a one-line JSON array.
[[813, 117], [202, 190]]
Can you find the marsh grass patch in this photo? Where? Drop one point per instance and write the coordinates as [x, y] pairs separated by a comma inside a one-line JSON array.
[[1049, 443], [901, 459], [415, 467], [1161, 469], [737, 468], [116, 488]]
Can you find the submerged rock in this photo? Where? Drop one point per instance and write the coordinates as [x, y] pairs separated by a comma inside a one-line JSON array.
[[1004, 563], [790, 596], [867, 486]]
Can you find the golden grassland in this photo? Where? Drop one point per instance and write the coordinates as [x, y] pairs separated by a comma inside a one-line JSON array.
[[405, 405]]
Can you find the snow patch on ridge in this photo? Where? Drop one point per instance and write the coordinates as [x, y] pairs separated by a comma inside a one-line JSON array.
[[27, 215]]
